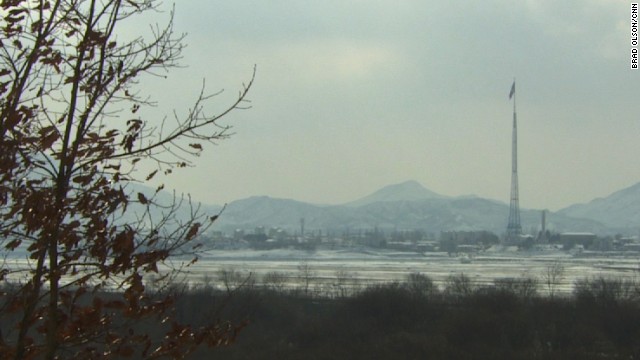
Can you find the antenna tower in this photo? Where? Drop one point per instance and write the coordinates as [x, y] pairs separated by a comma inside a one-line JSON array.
[[514, 229]]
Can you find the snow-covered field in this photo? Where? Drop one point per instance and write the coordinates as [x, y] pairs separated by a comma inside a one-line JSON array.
[[368, 266], [359, 267]]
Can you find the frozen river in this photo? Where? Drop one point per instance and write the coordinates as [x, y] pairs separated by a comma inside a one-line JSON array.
[[370, 267], [361, 267]]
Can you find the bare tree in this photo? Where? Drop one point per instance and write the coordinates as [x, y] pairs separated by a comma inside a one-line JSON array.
[[343, 282], [421, 285], [233, 280], [72, 135], [306, 275], [459, 285], [276, 281], [553, 276]]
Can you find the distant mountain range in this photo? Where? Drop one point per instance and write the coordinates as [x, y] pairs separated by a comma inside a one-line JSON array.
[[409, 206]]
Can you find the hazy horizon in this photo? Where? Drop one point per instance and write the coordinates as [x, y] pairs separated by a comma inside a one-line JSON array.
[[350, 97]]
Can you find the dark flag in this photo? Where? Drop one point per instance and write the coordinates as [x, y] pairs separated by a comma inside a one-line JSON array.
[[513, 90]]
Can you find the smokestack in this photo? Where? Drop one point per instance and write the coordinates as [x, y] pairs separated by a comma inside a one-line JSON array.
[[544, 221]]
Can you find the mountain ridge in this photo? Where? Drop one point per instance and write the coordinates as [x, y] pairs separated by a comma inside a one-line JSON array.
[[409, 205], [431, 215], [620, 209], [410, 190]]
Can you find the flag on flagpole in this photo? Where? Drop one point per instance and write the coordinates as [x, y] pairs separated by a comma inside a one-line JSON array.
[[513, 90]]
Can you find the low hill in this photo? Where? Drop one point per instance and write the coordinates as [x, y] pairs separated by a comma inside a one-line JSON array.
[[406, 191], [619, 210]]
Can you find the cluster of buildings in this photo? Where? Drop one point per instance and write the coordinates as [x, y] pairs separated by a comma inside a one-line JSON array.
[[452, 242]]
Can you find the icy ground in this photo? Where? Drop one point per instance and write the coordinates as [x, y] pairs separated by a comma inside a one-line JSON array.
[[367, 266], [362, 266]]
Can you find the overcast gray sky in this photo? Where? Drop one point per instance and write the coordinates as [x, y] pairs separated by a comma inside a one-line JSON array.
[[351, 96]]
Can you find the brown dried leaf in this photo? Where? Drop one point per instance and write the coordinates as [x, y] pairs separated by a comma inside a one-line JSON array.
[[193, 231], [47, 141], [142, 199], [151, 175], [13, 244]]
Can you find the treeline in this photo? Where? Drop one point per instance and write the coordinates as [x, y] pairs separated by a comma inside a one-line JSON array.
[[415, 319], [410, 319]]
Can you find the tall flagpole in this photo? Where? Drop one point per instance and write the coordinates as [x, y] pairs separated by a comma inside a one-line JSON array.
[[514, 229]]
